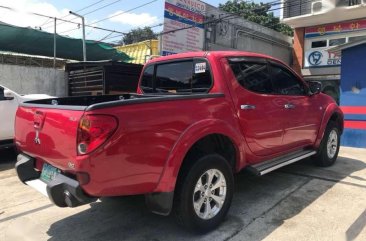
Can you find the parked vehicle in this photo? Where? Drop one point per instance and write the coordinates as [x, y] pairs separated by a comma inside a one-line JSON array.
[[9, 101], [197, 119]]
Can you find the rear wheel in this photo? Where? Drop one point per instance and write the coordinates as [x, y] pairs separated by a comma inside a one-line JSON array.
[[204, 193], [329, 147]]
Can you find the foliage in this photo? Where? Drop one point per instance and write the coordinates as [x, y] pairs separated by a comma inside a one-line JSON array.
[[137, 35], [258, 13]]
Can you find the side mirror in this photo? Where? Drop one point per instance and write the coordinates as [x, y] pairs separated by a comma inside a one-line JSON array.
[[315, 87], [8, 95]]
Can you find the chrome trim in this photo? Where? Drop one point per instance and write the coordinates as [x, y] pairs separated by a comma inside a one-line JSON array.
[[247, 107], [287, 162]]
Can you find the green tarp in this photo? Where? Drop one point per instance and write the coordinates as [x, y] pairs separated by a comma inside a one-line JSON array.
[[36, 42]]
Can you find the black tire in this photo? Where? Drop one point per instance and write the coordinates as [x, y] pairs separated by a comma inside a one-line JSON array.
[[323, 158], [184, 194]]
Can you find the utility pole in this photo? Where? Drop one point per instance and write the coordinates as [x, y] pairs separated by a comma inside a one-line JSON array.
[[54, 57], [83, 27], [54, 46]]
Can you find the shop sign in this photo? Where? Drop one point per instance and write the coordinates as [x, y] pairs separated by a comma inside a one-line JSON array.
[[183, 14], [335, 28], [318, 58]]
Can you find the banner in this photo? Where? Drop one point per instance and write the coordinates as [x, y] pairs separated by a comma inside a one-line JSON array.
[[181, 14], [335, 28]]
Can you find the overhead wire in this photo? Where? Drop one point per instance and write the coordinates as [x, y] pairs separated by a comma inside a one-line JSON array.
[[276, 2], [235, 15], [231, 15], [79, 10], [195, 25], [227, 17], [64, 20], [115, 15], [91, 5], [84, 14]]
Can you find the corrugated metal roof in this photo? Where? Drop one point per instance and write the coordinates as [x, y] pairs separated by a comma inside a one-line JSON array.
[[141, 51]]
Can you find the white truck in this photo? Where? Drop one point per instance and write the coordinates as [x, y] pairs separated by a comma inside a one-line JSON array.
[[9, 101]]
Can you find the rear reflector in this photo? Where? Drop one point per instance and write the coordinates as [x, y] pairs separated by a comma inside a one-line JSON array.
[[93, 131], [83, 178]]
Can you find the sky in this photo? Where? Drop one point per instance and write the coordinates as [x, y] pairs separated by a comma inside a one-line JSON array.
[[127, 14]]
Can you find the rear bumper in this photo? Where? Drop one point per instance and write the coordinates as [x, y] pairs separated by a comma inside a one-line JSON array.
[[5, 144], [63, 191]]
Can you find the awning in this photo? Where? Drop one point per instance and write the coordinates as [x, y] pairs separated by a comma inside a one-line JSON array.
[[36, 42]]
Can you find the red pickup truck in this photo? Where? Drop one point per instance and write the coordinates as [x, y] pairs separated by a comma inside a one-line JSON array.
[[197, 119]]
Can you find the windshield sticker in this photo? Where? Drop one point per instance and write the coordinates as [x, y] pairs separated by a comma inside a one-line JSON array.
[[200, 68]]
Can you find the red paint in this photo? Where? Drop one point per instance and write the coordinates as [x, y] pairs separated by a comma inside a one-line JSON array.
[[146, 151], [355, 125], [354, 109]]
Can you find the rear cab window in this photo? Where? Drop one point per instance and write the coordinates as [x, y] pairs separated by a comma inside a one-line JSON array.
[[177, 77]]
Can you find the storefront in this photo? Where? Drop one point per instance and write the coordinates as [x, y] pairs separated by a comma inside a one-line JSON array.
[[319, 39]]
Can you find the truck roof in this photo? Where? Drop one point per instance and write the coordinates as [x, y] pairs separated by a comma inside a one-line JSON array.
[[205, 53]]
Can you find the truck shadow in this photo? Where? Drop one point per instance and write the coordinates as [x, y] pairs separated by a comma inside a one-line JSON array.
[[260, 206]]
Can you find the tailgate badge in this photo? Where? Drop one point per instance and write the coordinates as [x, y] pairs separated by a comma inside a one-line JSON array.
[[38, 121], [71, 165]]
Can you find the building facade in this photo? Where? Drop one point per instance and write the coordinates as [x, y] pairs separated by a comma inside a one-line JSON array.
[[235, 33], [320, 25]]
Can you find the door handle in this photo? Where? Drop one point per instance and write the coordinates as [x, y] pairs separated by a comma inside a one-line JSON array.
[[247, 107], [289, 106]]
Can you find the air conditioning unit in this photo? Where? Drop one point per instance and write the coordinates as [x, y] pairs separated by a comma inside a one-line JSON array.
[[316, 7]]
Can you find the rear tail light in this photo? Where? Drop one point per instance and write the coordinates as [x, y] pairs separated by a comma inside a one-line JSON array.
[[93, 131]]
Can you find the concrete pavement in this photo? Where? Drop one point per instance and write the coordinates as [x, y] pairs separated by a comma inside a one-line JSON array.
[[298, 202]]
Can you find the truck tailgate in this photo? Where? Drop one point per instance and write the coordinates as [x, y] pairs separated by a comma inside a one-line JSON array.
[[48, 134]]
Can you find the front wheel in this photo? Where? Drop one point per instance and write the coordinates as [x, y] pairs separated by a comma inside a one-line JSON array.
[[329, 147], [204, 193]]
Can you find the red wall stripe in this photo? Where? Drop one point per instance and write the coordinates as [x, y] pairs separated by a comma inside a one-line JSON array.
[[355, 124], [354, 109]]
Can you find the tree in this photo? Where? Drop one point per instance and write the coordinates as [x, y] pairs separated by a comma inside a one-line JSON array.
[[138, 35], [258, 13]]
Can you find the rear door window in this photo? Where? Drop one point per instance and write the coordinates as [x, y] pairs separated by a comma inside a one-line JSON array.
[[253, 76]]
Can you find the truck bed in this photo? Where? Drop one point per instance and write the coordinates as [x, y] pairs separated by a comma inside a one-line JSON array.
[[134, 156]]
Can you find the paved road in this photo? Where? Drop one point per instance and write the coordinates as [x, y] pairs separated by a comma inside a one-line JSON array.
[[299, 202]]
